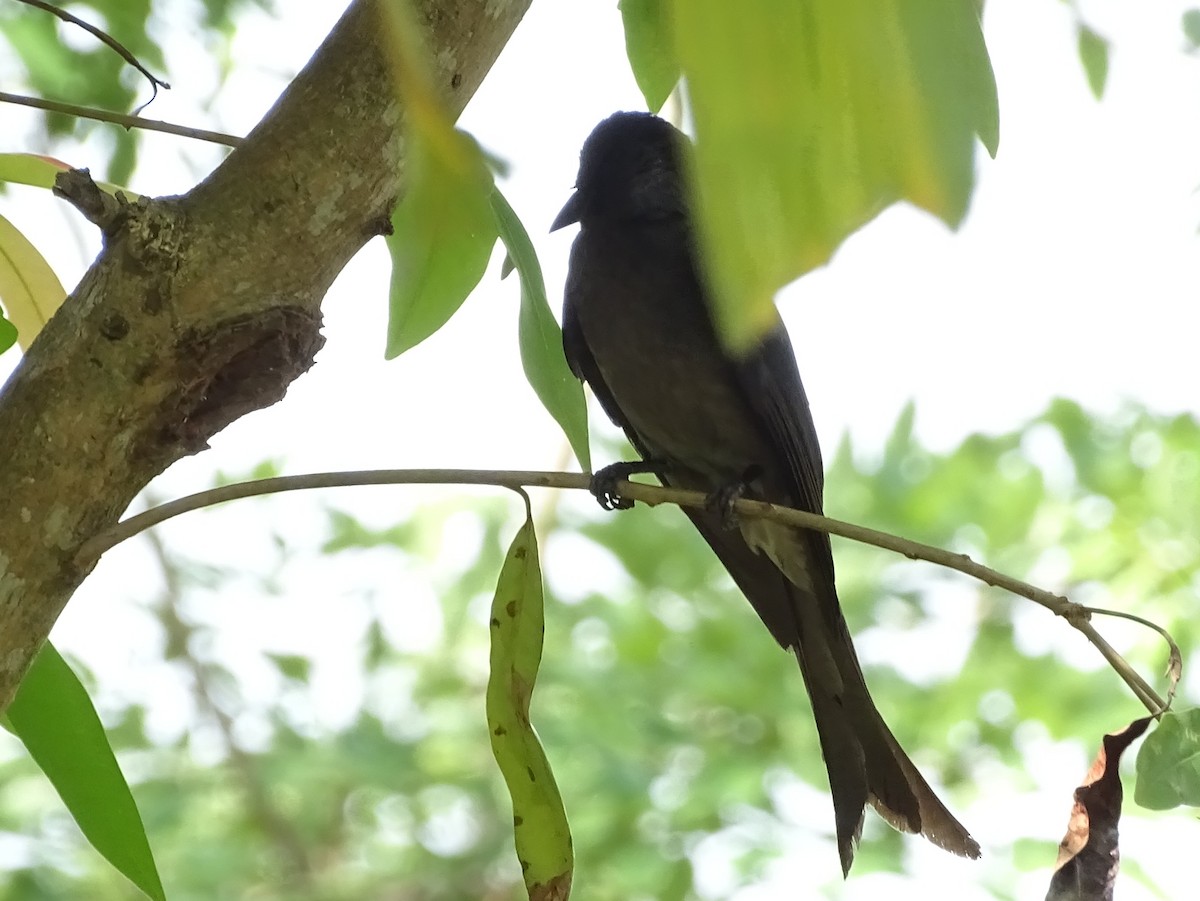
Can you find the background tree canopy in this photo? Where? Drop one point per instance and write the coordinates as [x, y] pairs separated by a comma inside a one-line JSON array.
[[294, 687]]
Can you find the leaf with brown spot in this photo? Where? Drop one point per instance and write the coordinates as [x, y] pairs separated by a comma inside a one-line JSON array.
[[1089, 855], [540, 829]]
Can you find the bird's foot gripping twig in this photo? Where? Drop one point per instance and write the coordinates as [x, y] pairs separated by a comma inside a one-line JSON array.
[[721, 500], [604, 482]]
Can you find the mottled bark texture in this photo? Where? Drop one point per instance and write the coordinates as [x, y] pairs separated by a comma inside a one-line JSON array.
[[204, 307]]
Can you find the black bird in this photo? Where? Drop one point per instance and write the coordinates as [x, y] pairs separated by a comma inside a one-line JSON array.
[[637, 327]]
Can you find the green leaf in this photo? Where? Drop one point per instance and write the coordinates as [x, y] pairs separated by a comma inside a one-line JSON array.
[[811, 118], [29, 289], [39, 171], [30, 169], [442, 237], [1093, 53], [540, 337], [292, 666], [53, 715], [543, 837], [443, 230], [1168, 765], [1191, 26], [8, 334], [651, 49]]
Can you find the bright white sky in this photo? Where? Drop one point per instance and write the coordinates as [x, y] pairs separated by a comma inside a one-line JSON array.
[[1075, 275]]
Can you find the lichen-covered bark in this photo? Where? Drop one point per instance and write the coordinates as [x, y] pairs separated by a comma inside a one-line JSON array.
[[206, 306]]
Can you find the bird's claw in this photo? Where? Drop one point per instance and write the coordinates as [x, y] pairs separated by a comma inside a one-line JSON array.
[[604, 482], [721, 500], [604, 489]]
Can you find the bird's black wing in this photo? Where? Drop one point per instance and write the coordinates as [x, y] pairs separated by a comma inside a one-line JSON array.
[[583, 364], [772, 388]]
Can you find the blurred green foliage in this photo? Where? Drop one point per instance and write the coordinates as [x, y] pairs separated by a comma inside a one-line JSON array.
[[674, 725], [83, 71]]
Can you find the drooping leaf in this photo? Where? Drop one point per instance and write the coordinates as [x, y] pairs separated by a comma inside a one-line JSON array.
[[1089, 854], [443, 229], [540, 337], [1168, 765], [443, 232], [1093, 53], [651, 49], [812, 117], [53, 715], [542, 835], [29, 289]]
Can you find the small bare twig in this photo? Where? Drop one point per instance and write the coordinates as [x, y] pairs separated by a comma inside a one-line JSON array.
[[1075, 614], [1174, 670], [88, 112], [106, 39], [98, 207]]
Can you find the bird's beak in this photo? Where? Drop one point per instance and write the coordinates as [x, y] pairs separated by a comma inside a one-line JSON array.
[[568, 214]]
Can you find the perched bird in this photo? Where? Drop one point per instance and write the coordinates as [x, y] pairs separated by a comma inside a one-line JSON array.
[[638, 328]]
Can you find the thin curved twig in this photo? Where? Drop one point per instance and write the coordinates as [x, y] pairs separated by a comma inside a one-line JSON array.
[[652, 495], [1175, 659], [106, 39], [129, 121]]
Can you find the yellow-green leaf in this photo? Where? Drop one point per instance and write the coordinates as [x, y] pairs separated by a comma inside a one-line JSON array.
[[650, 48], [542, 835], [1093, 53], [540, 337], [812, 117], [39, 171], [443, 229], [29, 289], [53, 715], [442, 237]]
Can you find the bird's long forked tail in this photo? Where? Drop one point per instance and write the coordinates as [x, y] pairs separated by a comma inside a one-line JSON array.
[[864, 760]]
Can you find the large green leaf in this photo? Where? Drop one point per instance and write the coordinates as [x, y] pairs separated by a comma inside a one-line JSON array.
[[443, 230], [442, 237], [1168, 765], [543, 837], [53, 715], [812, 117], [540, 337], [650, 48]]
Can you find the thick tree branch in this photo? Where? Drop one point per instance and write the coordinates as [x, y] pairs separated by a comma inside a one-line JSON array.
[[206, 306]]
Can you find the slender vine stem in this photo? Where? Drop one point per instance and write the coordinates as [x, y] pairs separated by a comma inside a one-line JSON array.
[[100, 115], [1075, 614], [106, 39]]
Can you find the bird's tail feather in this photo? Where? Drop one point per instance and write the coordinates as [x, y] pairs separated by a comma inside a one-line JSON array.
[[863, 759]]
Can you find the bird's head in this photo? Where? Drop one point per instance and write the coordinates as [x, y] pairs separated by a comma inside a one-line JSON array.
[[630, 168]]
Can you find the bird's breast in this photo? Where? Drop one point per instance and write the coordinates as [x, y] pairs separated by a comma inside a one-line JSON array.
[[644, 316]]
